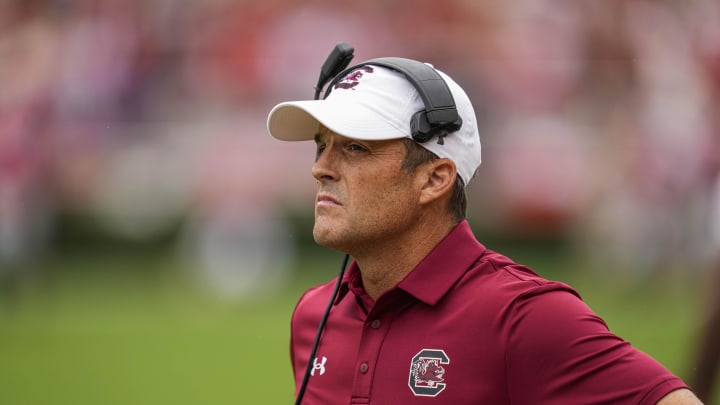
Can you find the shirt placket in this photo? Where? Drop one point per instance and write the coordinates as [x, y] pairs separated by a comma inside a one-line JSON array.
[[376, 327]]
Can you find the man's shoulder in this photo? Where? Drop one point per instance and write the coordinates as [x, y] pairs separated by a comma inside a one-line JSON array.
[[315, 299], [500, 275], [319, 291]]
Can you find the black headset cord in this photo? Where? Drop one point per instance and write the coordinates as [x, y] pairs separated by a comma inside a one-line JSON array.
[[323, 321]]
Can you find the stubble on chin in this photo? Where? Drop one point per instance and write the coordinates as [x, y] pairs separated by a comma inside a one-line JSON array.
[[327, 234], [322, 232]]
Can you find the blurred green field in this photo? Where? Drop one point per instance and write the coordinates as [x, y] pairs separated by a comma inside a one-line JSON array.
[[92, 328]]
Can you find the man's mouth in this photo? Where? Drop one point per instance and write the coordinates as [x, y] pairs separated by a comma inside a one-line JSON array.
[[326, 199]]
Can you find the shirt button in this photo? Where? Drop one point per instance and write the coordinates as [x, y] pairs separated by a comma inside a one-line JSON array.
[[375, 324], [364, 368]]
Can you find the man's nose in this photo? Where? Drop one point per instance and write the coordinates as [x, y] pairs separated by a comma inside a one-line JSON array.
[[325, 167]]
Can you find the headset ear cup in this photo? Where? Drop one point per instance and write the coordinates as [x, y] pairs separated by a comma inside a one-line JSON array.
[[420, 128]]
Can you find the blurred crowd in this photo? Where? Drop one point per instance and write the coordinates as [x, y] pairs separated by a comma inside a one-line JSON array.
[[600, 120]]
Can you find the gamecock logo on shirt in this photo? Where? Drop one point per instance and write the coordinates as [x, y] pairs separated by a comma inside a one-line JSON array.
[[427, 371]]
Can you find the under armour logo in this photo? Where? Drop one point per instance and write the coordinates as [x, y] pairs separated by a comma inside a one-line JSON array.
[[319, 366]]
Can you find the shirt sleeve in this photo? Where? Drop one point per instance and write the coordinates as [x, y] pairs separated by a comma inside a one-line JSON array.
[[558, 351]]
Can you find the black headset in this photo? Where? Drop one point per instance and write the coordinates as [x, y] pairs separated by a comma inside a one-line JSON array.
[[439, 118]]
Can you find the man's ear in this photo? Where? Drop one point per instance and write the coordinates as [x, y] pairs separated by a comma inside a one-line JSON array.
[[439, 180]]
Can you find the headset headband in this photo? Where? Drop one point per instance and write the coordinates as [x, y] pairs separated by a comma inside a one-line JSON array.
[[440, 114]]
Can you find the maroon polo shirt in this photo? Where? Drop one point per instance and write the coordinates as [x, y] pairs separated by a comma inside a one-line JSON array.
[[467, 326]]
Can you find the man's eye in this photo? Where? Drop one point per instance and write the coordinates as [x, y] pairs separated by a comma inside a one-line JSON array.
[[318, 151], [356, 147]]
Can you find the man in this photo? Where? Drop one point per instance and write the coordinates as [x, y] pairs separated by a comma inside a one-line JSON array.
[[426, 314]]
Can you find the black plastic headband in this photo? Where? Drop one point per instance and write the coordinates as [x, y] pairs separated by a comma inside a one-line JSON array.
[[440, 115]]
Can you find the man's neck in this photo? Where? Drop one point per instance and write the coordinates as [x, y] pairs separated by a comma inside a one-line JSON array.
[[383, 267]]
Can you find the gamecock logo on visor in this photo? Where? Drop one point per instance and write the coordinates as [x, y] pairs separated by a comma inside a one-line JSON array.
[[353, 78], [427, 371]]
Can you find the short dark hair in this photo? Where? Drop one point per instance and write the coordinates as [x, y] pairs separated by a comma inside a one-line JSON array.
[[417, 155]]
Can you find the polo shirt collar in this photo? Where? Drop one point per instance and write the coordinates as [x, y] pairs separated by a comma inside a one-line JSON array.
[[435, 275]]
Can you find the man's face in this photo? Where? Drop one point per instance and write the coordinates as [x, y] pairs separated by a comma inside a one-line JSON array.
[[364, 197]]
